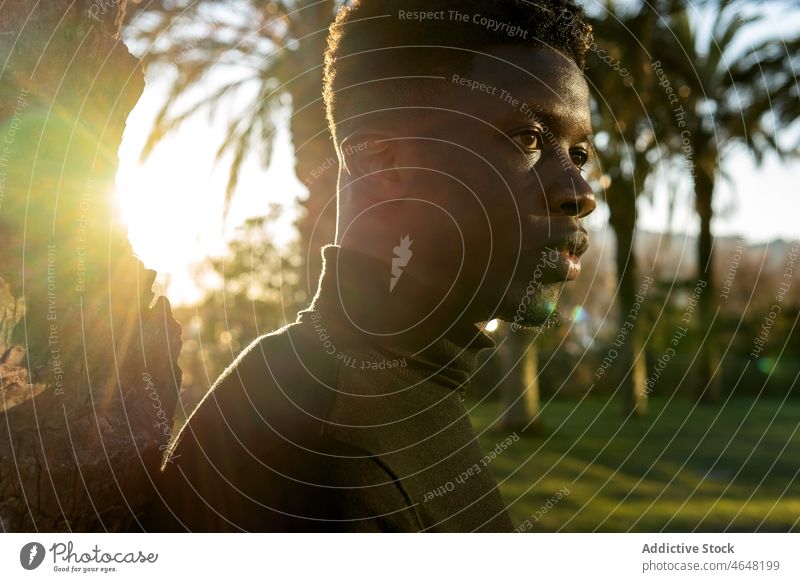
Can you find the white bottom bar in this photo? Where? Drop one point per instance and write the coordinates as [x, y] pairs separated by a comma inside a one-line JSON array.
[[391, 557]]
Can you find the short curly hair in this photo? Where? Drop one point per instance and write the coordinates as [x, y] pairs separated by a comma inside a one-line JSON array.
[[385, 52]]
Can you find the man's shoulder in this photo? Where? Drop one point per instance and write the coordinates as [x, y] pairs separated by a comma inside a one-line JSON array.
[[279, 388]]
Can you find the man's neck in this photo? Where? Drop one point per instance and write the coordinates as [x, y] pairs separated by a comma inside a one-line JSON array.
[[389, 304]]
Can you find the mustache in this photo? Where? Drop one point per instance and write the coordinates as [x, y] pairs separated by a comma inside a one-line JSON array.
[[564, 234], [575, 243]]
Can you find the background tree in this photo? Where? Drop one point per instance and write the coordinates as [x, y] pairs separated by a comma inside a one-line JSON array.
[[88, 374], [629, 118], [740, 91], [271, 53], [668, 95], [519, 387]]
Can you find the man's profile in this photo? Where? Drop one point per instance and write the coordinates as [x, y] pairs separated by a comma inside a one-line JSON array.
[[461, 130]]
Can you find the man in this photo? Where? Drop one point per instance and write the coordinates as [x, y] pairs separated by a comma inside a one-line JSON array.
[[461, 130]]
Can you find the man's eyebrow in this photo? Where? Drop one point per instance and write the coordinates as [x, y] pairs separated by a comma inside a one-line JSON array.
[[554, 119]]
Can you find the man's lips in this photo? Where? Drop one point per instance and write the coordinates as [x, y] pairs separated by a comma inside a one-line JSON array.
[[574, 244], [566, 253]]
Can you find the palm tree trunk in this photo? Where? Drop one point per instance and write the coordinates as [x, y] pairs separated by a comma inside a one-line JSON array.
[[89, 374], [519, 388], [316, 163], [632, 370], [704, 376]]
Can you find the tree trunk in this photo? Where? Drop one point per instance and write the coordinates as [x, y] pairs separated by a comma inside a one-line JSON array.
[[89, 372], [519, 388], [631, 370], [316, 163], [704, 374]]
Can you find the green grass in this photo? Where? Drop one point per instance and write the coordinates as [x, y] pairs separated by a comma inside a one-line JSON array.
[[680, 468]]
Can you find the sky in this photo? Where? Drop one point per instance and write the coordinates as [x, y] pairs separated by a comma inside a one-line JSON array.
[[173, 202]]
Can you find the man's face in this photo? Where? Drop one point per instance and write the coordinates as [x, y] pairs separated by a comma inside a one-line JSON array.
[[498, 175]]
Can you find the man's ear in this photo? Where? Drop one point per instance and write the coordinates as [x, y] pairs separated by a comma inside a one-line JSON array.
[[369, 155]]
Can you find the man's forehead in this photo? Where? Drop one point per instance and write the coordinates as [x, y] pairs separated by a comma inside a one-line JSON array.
[[547, 81]]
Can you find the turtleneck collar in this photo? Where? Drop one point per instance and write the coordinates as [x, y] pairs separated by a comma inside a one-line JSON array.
[[410, 319]]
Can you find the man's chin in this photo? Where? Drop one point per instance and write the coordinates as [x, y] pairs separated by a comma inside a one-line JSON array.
[[525, 310]]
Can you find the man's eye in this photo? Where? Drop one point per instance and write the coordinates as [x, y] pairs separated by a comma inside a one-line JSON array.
[[579, 157], [528, 140]]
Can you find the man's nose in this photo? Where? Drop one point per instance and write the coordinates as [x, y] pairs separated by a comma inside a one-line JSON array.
[[569, 193]]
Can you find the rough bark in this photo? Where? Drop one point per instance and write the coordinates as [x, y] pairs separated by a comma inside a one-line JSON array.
[[89, 374]]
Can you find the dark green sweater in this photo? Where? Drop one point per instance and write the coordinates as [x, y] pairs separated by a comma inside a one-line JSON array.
[[323, 426]]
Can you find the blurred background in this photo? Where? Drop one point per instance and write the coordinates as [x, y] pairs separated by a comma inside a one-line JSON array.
[[668, 399]]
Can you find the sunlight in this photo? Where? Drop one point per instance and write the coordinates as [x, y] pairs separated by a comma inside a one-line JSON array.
[[173, 203]]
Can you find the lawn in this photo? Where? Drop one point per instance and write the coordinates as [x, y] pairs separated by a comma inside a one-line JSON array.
[[732, 467]]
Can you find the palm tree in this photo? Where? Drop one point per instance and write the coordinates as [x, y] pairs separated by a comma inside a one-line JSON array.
[[631, 116], [275, 51], [679, 86], [518, 388], [741, 92], [88, 371]]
